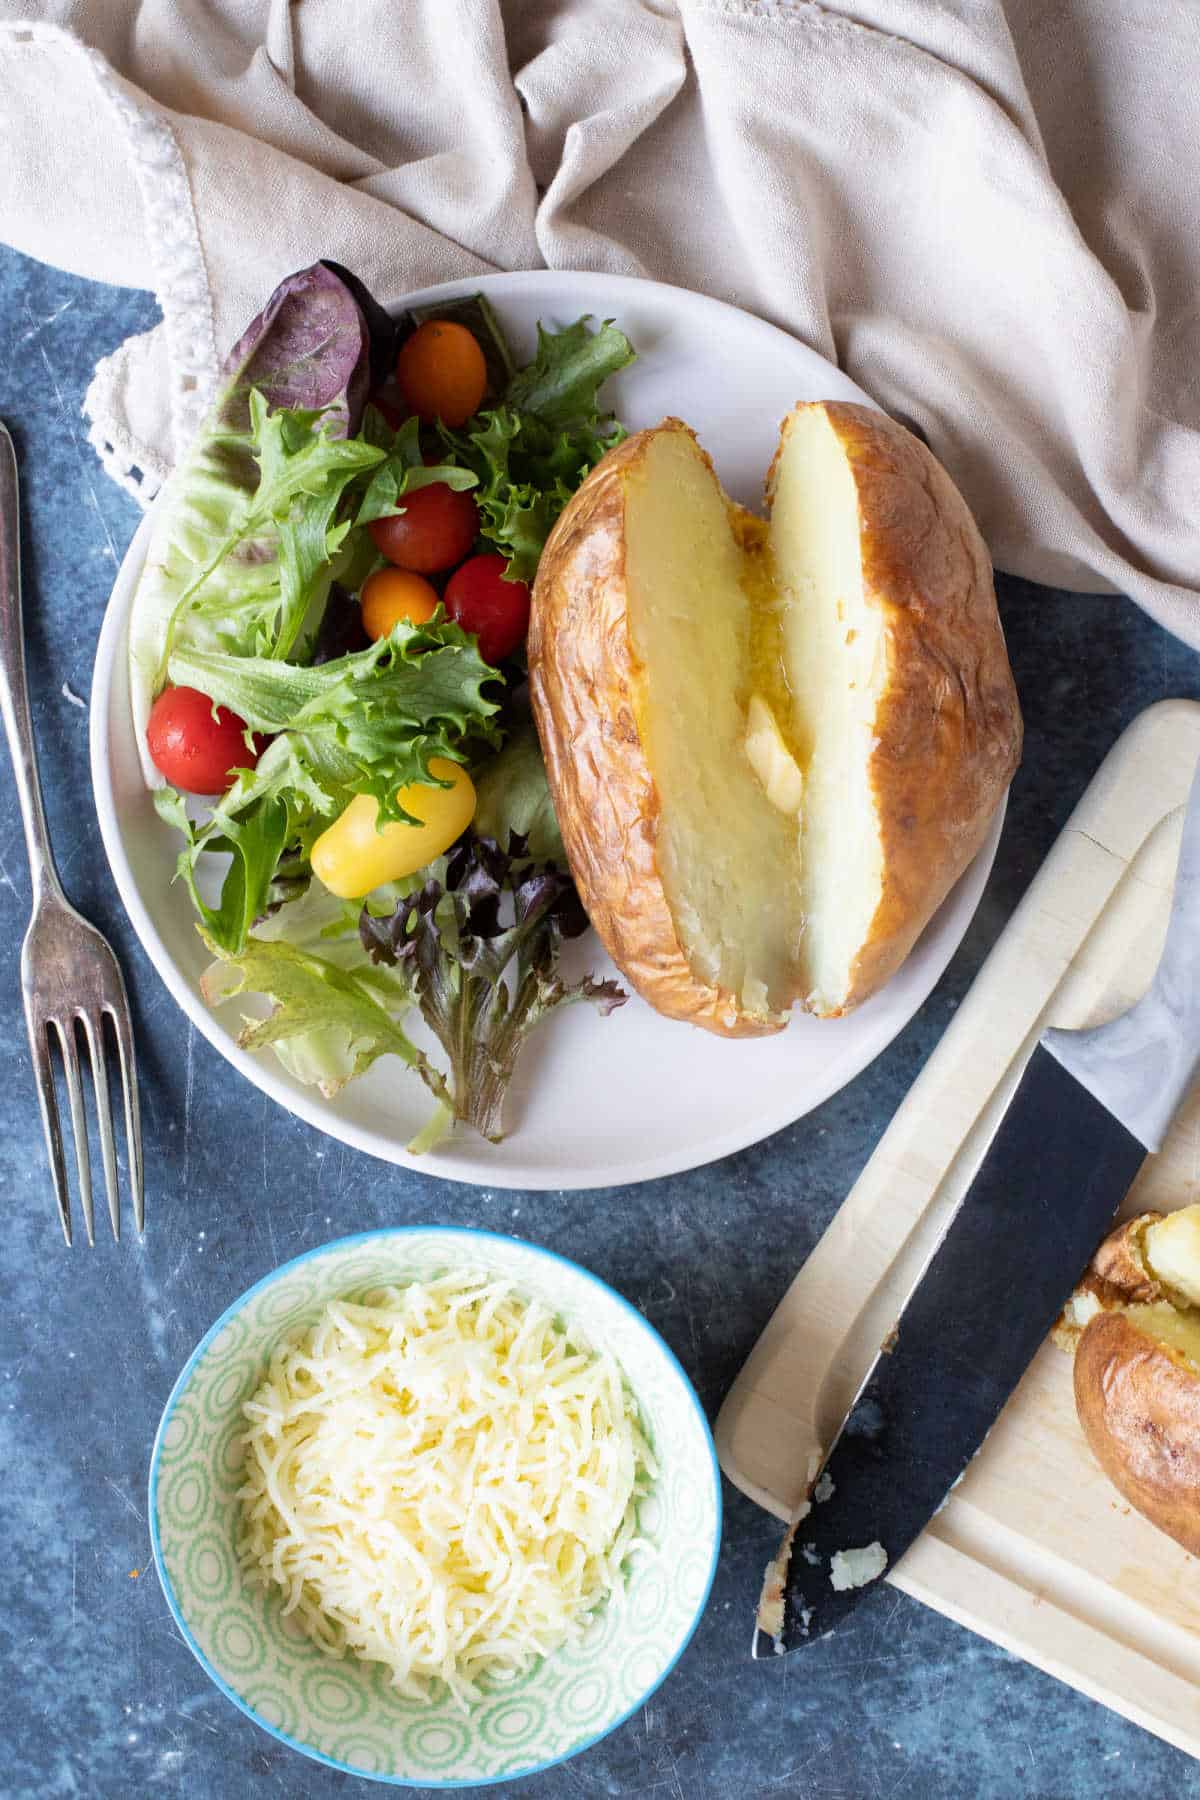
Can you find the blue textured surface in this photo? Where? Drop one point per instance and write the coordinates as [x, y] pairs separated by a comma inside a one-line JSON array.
[[101, 1697]]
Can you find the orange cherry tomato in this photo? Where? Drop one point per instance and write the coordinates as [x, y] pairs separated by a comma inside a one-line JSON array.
[[390, 595], [441, 372]]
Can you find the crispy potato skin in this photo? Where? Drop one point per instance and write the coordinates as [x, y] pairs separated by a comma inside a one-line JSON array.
[[581, 676], [1138, 1402], [1118, 1274], [948, 727]]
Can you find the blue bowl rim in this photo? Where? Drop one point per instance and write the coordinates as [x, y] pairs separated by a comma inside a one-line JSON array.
[[365, 1237]]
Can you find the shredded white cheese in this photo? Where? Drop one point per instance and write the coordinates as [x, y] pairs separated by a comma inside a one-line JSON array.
[[442, 1479]]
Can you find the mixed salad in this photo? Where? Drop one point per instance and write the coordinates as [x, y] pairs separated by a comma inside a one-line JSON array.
[[326, 647]]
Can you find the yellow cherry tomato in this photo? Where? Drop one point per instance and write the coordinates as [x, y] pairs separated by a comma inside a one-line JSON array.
[[352, 856], [441, 373], [390, 595]]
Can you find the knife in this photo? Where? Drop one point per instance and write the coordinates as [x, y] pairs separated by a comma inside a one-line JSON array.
[[1087, 1109]]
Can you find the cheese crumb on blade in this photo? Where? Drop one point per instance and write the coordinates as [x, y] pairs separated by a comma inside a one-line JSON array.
[[857, 1568], [442, 1478]]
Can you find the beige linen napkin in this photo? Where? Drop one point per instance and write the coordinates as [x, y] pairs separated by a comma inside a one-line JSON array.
[[988, 213]]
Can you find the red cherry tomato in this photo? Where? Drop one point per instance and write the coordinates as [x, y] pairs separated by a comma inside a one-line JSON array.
[[435, 530], [497, 611], [193, 750], [441, 372]]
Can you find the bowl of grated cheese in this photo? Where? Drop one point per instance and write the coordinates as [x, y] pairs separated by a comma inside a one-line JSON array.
[[435, 1506]]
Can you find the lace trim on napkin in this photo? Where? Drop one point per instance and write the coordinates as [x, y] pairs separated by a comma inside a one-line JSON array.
[[181, 286], [133, 466]]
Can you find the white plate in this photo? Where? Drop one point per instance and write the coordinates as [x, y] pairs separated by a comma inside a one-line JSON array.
[[596, 1102]]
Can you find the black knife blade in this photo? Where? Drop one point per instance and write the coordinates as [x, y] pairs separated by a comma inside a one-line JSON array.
[[1051, 1180]]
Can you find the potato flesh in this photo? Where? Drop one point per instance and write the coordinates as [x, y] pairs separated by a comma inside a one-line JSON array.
[[1179, 1331], [761, 666], [722, 845], [1171, 1247], [835, 661], [727, 858]]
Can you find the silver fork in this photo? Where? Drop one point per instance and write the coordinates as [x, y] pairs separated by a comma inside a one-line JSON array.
[[70, 979]]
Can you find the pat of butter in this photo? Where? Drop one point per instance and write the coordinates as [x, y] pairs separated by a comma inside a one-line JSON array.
[[777, 769]]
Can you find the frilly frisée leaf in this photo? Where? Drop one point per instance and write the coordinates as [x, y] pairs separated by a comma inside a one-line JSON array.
[[379, 714], [532, 450], [492, 913]]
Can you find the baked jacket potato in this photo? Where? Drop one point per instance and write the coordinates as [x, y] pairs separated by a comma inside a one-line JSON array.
[[772, 746], [1134, 1323]]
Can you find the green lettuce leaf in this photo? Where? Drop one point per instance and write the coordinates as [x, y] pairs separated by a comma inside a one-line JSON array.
[[255, 841], [403, 470], [297, 520], [513, 796], [331, 1019], [252, 585]]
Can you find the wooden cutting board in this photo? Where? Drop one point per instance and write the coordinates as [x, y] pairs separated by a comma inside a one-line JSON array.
[[1034, 1548]]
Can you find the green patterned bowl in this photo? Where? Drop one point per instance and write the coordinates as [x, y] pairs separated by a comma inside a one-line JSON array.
[[344, 1713]]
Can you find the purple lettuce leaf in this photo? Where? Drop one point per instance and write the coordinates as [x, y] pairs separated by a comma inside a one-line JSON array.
[[309, 347], [481, 948]]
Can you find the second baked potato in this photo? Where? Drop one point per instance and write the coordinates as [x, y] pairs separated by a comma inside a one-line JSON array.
[[1134, 1323]]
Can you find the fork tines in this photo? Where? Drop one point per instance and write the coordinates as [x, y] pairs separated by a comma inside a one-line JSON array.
[[62, 1034]]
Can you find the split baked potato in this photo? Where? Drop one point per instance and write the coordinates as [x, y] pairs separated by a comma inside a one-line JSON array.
[[773, 745], [1134, 1325]]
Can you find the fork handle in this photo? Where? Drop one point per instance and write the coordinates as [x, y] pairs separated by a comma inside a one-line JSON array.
[[14, 689]]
